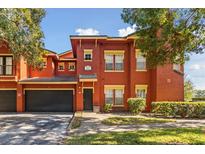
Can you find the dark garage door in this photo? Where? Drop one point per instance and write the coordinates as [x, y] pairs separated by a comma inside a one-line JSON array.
[[7, 100], [49, 100]]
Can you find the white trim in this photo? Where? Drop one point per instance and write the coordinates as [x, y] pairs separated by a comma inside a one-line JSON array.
[[47, 82]]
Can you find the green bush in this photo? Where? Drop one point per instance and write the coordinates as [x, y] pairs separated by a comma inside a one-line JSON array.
[[198, 99], [107, 108], [179, 109], [136, 105]]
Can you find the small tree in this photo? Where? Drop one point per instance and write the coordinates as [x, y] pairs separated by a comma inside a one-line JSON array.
[[21, 33]]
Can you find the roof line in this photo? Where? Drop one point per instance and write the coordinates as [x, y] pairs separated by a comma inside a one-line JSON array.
[[102, 36], [60, 54], [49, 50]]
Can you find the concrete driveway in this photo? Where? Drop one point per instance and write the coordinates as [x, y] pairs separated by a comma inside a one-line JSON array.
[[33, 128]]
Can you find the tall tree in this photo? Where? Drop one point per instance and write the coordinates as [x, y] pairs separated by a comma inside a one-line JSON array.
[[20, 31], [188, 90], [167, 35]]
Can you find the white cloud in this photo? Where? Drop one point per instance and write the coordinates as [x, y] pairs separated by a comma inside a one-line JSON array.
[[126, 31], [197, 66], [87, 31]]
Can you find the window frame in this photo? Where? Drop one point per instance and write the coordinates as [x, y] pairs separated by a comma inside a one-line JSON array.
[[71, 64], [114, 89], [141, 87], [114, 54], [61, 64], [137, 55], [88, 52], [177, 67], [4, 65], [45, 63]]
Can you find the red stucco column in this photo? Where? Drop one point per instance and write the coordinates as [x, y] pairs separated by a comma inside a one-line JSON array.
[[78, 98], [20, 106]]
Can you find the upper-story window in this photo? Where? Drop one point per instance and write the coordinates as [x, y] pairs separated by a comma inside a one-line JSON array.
[[71, 66], [61, 66], [88, 55], [177, 67], [44, 63], [114, 60], [6, 65], [109, 60], [140, 61]]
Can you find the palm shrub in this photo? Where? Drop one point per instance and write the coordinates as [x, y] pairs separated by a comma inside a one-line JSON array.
[[107, 108], [136, 105]]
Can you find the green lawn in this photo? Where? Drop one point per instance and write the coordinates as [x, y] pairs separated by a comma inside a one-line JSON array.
[[154, 136], [134, 121]]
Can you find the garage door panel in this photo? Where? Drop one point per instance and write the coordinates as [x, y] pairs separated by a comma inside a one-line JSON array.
[[49, 100], [7, 101]]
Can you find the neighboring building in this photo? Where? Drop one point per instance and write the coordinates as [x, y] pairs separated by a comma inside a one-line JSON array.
[[98, 70]]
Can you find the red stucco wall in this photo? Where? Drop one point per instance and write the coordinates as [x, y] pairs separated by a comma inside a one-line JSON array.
[[164, 84]]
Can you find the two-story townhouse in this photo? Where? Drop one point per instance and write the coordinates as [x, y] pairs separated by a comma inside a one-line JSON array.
[[98, 70]]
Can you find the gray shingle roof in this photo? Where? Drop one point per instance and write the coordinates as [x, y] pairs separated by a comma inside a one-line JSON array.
[[87, 76], [53, 79]]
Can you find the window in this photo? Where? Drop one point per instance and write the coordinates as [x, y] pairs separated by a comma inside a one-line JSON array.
[[114, 60], [44, 62], [114, 95], [177, 67], [71, 66], [6, 65], [140, 61], [61, 66], [118, 62], [141, 91], [109, 96], [1, 66], [109, 62], [88, 55], [118, 96]]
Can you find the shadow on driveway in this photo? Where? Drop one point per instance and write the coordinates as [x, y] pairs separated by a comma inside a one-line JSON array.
[[33, 128]]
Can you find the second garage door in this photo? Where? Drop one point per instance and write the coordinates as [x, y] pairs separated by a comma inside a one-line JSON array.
[[7, 100], [49, 100]]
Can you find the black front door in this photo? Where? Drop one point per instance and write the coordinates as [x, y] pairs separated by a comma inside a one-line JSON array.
[[88, 99]]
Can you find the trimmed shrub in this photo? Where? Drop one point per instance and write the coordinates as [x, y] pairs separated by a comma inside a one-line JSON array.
[[179, 109], [198, 99], [107, 108], [136, 105]]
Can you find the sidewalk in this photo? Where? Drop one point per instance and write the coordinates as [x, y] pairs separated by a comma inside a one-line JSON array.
[[91, 124]]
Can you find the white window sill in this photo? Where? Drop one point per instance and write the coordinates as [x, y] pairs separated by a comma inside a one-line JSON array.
[[114, 71], [141, 70]]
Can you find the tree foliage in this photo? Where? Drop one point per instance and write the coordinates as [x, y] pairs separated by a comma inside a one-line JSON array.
[[199, 94], [188, 90], [167, 35], [20, 30]]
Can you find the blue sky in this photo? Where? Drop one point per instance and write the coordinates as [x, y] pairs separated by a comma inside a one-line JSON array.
[[60, 23]]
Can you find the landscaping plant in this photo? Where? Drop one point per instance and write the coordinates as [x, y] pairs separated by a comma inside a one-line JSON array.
[[136, 105], [179, 109], [107, 108]]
